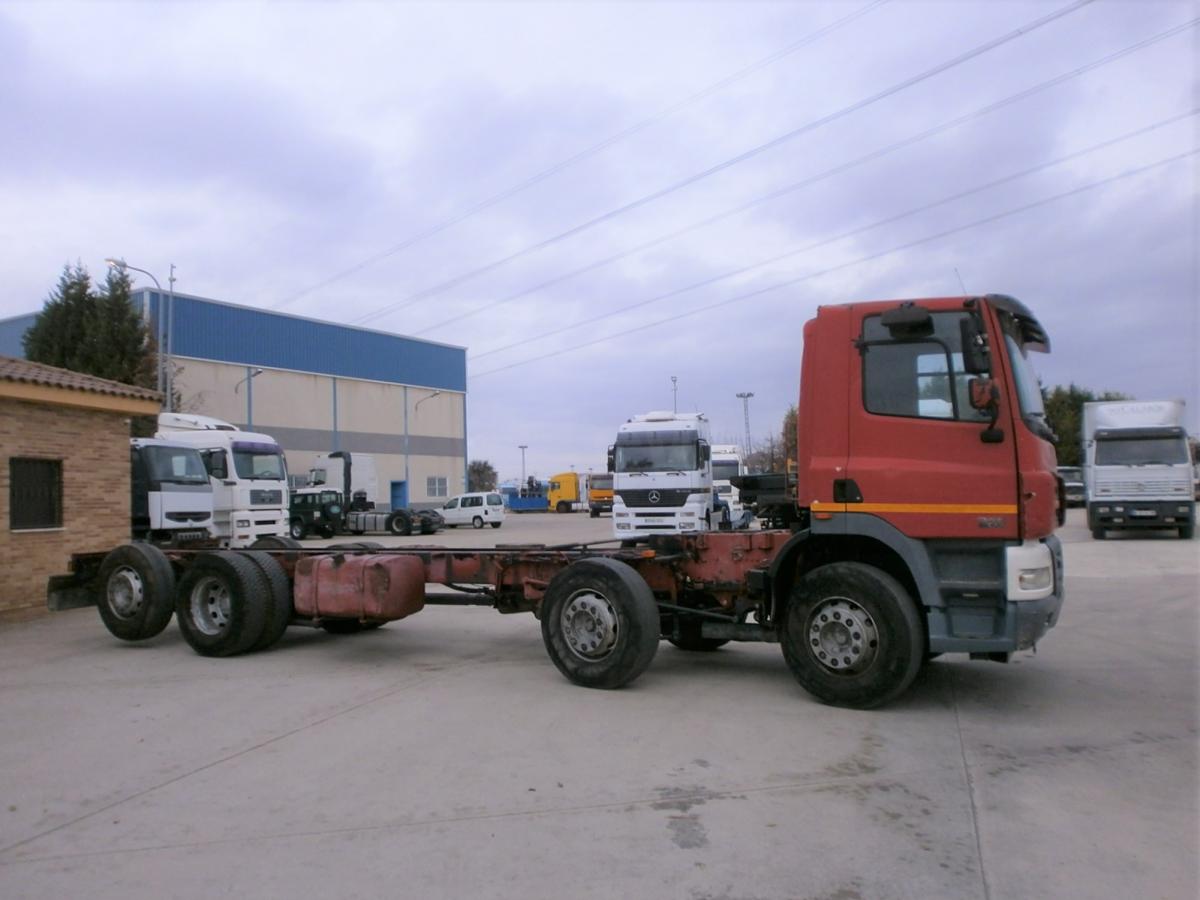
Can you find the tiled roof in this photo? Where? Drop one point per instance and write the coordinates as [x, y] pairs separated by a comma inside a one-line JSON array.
[[50, 376]]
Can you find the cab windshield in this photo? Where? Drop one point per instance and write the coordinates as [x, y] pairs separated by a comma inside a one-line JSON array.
[[175, 465], [259, 462], [659, 456], [1029, 391]]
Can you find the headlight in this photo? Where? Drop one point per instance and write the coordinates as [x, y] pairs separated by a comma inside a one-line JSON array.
[[1035, 579], [622, 526], [242, 523], [335, 510]]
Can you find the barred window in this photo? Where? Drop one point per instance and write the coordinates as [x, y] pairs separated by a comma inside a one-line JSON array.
[[435, 486], [34, 493]]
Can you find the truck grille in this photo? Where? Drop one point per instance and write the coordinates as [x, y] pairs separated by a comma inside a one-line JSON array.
[[1133, 487], [266, 498], [188, 516], [667, 497]]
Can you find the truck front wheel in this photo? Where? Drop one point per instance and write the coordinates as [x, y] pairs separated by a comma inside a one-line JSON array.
[[852, 636], [600, 623], [298, 530], [137, 592], [399, 524]]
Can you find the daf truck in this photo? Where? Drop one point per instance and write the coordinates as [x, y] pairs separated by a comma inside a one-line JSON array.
[[246, 470], [568, 492], [914, 529], [1137, 467], [662, 475]]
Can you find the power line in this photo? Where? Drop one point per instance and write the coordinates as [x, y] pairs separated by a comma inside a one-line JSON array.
[[847, 234], [1129, 173], [813, 179], [731, 161], [633, 129]]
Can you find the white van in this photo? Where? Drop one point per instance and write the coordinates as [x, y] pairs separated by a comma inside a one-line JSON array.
[[476, 510]]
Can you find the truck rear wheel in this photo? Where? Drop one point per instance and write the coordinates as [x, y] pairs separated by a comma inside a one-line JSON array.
[[399, 523], [279, 596], [594, 513], [221, 604], [852, 636], [1187, 532], [600, 623], [562, 507], [137, 596]]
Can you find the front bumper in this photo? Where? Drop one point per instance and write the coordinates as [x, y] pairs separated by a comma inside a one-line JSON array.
[[1138, 514]]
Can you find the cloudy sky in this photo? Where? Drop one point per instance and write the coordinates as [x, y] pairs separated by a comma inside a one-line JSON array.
[[595, 197]]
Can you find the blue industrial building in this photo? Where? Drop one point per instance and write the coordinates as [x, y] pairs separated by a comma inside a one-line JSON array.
[[315, 386]]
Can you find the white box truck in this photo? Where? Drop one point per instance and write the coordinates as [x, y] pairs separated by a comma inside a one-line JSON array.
[[1137, 467]]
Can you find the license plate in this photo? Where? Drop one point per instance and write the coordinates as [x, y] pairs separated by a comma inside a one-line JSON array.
[[1143, 513]]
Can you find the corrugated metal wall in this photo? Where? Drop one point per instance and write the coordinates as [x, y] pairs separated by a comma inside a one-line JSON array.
[[207, 329]]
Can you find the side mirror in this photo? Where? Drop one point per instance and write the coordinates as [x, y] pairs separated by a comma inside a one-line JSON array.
[[984, 394], [974, 347], [214, 461], [985, 397], [612, 460], [705, 452]]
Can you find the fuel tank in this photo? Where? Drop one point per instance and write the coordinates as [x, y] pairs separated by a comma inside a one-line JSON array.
[[367, 587]]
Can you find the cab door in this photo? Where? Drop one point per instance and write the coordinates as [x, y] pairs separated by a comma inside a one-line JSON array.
[[921, 457]]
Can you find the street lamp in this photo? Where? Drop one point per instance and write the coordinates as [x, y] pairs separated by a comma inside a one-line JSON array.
[[165, 321], [674, 394], [417, 405], [523, 447], [249, 394], [745, 398]]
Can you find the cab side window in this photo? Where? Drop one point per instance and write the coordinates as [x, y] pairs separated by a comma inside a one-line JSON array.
[[922, 378]]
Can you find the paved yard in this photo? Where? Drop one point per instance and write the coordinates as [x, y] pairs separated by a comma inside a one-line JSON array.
[[445, 757]]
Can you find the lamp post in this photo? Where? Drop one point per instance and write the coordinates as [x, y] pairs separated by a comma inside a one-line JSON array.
[[523, 447], [745, 398], [249, 394], [163, 380], [674, 394]]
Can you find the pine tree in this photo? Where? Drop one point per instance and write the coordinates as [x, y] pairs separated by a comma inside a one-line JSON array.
[[95, 332]]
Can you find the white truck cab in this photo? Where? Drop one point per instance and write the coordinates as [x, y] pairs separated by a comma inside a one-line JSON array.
[[171, 498], [247, 472], [662, 475]]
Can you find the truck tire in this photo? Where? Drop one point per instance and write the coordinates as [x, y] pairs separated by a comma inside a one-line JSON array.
[[279, 597], [1099, 534], [600, 623], [1187, 532], [221, 604], [594, 513], [562, 507], [274, 543], [137, 592], [399, 523], [497, 524], [689, 639], [477, 522], [298, 530], [852, 636]]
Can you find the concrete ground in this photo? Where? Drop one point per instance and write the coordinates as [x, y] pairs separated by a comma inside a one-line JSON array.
[[445, 757]]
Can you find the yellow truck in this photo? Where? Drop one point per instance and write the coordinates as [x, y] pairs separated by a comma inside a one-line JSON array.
[[567, 492], [600, 493]]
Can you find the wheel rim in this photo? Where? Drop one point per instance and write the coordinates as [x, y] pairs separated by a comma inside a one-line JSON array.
[[842, 636], [209, 606], [125, 592], [589, 624], [297, 531]]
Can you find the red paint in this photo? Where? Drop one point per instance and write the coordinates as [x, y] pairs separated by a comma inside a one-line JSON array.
[[375, 587]]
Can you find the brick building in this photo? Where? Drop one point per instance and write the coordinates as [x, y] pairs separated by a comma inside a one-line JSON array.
[[64, 473]]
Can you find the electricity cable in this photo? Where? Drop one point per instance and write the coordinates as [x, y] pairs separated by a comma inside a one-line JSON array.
[[588, 152], [896, 249], [732, 161], [846, 234], [813, 179]]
